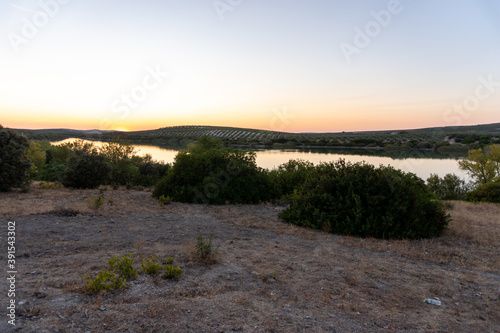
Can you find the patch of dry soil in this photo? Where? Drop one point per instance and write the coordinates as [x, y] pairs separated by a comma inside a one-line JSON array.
[[269, 276]]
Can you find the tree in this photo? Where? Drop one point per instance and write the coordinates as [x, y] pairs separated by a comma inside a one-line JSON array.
[[120, 154], [86, 169], [450, 187], [203, 144], [37, 157], [14, 164], [482, 166], [208, 173]]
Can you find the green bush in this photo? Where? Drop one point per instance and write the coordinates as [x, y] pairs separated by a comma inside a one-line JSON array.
[[450, 187], [96, 202], [151, 266], [124, 172], [86, 169], [291, 176], [14, 163], [151, 171], [121, 269], [172, 272], [207, 173], [205, 251], [361, 200], [49, 185], [55, 164], [105, 280], [123, 266], [164, 200], [37, 158], [489, 192]]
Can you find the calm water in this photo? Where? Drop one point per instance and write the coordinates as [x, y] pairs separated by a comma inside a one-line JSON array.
[[422, 164]]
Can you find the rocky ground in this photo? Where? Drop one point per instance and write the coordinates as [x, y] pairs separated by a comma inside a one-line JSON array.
[[268, 276]]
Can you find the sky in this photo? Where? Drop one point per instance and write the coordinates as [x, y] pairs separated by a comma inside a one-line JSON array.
[[293, 66]]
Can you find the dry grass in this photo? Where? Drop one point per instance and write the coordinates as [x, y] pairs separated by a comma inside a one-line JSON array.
[[471, 241], [269, 276], [42, 201]]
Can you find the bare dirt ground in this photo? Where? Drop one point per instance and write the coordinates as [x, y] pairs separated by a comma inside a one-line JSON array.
[[269, 276]]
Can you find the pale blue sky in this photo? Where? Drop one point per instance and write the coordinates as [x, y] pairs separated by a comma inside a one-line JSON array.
[[263, 57]]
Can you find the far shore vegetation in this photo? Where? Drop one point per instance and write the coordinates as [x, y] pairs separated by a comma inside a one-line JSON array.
[[453, 141]]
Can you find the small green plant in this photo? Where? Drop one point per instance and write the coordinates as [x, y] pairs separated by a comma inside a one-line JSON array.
[[205, 251], [172, 272], [121, 269], [151, 266], [105, 280], [49, 185], [111, 201], [164, 200], [123, 266], [168, 261], [96, 202]]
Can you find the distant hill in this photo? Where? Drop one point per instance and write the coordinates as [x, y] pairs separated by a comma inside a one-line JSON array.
[[59, 133], [457, 138]]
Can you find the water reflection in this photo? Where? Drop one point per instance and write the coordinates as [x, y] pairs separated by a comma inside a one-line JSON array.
[[421, 163]]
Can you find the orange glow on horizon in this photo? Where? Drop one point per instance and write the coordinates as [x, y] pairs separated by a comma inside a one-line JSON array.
[[281, 119]]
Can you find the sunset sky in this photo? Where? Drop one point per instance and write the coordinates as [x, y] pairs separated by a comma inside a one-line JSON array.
[[288, 65]]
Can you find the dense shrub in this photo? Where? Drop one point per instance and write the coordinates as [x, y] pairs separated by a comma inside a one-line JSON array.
[[55, 163], [290, 176], [151, 171], [86, 169], [450, 187], [14, 162], [489, 192], [207, 173], [123, 169], [359, 199]]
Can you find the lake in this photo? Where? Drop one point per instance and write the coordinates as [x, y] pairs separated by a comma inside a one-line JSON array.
[[423, 164]]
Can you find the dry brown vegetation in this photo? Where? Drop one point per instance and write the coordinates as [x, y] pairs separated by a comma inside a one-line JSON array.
[[269, 276]]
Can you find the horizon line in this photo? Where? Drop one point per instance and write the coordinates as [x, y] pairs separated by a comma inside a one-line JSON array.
[[257, 129]]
